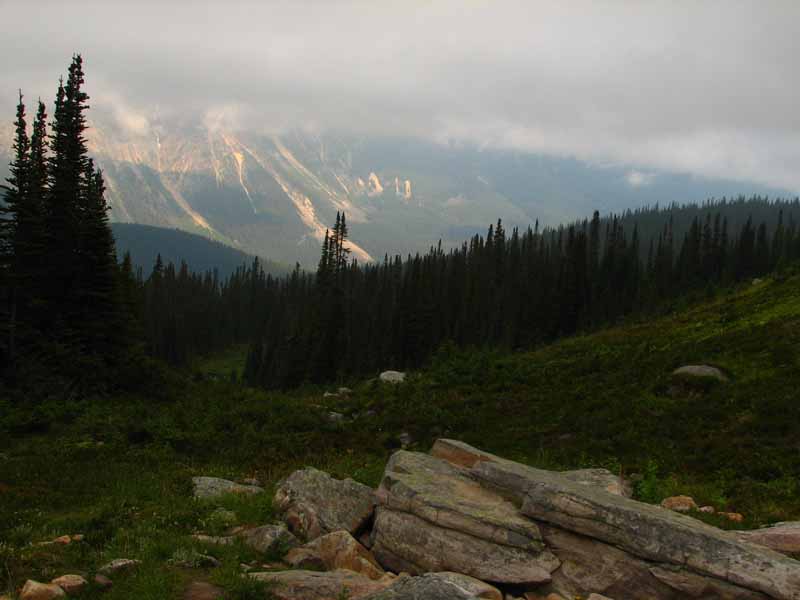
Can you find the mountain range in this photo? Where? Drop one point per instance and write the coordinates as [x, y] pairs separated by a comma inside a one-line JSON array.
[[275, 195]]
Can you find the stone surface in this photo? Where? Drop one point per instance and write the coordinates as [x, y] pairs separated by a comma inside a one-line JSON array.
[[33, 590], [102, 582], [200, 590], [71, 584], [208, 488], [392, 377], [701, 371], [119, 565], [313, 503], [709, 510], [598, 597], [316, 585], [646, 531], [781, 537], [337, 550], [433, 517], [464, 455], [679, 503], [691, 585], [438, 586], [268, 538], [732, 516]]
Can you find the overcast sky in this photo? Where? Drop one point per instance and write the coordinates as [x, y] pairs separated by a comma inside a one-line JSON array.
[[711, 88]]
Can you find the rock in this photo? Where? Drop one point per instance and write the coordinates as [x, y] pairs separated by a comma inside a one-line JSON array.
[[119, 565], [63, 540], [732, 516], [335, 418], [337, 550], [692, 585], [71, 584], [645, 531], [679, 503], [269, 538], [589, 565], [191, 559], [598, 597], [709, 510], [33, 590], [313, 503], [438, 586], [461, 454], [251, 481], [102, 582], [781, 537], [200, 590], [405, 440], [344, 391], [219, 540], [701, 371], [207, 488], [330, 395], [432, 517], [392, 377], [315, 585]]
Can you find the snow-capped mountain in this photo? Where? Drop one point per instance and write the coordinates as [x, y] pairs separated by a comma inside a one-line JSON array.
[[274, 195]]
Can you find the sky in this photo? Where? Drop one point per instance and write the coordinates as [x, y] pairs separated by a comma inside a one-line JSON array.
[[704, 87]]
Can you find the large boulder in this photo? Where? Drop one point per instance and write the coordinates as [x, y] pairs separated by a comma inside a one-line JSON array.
[[781, 537], [337, 550], [316, 585], [644, 531], [313, 503], [208, 488], [438, 586], [433, 517]]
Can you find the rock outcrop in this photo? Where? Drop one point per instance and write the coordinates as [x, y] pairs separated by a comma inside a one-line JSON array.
[[459, 523], [313, 503], [781, 537], [316, 585], [208, 488], [33, 590], [433, 517]]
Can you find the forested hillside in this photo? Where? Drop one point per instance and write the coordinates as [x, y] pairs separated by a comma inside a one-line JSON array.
[[145, 243]]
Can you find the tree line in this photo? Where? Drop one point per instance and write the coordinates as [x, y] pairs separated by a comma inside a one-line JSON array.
[[511, 289]]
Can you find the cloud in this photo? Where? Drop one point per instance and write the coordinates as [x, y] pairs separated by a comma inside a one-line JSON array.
[[709, 88], [638, 178]]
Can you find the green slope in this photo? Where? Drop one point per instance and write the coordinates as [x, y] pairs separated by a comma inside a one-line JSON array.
[[117, 469]]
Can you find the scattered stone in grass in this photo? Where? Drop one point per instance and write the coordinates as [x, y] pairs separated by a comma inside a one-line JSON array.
[[207, 488], [335, 418], [71, 584], [733, 516], [344, 391], [392, 377], [119, 565], [679, 503], [251, 481], [701, 371], [709, 510], [33, 590], [191, 559], [330, 395], [220, 540]]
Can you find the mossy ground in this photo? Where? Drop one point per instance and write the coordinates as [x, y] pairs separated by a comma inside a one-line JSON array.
[[118, 469]]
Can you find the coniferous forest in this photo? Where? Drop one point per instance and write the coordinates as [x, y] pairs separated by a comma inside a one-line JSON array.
[[73, 311]]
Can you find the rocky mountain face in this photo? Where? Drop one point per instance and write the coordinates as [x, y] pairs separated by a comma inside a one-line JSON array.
[[274, 195]]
